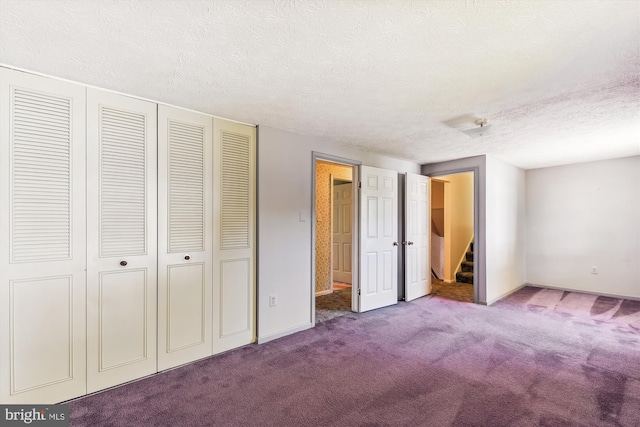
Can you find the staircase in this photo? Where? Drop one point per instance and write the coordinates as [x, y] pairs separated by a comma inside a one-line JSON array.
[[466, 273]]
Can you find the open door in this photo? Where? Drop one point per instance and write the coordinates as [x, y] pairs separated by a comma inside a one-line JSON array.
[[378, 238], [342, 233], [417, 282]]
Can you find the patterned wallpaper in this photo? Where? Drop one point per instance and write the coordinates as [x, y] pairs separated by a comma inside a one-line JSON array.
[[323, 219]]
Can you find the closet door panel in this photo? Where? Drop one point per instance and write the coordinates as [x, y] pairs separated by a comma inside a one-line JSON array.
[[185, 241], [123, 327], [122, 236], [34, 303], [236, 289], [187, 309], [234, 208], [42, 249]]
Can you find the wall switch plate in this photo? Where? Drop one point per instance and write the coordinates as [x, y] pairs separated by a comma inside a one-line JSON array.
[[594, 269], [273, 300]]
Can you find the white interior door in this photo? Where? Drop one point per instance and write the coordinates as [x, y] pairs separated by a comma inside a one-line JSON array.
[[417, 281], [378, 238], [185, 236], [42, 248], [234, 290], [342, 232], [121, 231]]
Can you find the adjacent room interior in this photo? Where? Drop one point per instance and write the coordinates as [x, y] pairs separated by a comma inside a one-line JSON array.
[[333, 239], [452, 236]]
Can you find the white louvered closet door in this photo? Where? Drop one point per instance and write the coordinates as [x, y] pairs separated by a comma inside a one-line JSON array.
[[42, 245], [185, 236], [234, 216], [121, 233]]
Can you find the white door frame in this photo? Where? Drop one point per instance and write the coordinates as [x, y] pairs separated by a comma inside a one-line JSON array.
[[478, 231], [355, 224], [330, 229]]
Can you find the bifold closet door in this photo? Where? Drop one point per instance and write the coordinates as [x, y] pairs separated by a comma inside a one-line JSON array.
[[234, 216], [121, 235], [42, 243], [185, 236]]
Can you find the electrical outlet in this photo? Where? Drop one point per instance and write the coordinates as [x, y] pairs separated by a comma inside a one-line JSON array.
[[594, 269], [273, 300]]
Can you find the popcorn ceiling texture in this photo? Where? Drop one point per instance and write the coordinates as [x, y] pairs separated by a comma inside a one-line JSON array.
[[558, 80]]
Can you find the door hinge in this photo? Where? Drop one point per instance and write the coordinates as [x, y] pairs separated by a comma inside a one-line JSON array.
[[358, 291], [359, 184]]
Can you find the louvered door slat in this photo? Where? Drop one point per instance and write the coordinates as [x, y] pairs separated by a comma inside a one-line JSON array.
[[41, 175], [235, 191], [186, 186], [123, 183]]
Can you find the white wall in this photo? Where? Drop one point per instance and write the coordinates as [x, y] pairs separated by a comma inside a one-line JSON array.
[[505, 228], [585, 215], [285, 169]]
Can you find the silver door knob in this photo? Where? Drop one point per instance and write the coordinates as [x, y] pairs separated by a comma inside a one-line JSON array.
[[395, 243], [187, 257], [123, 263], [409, 242]]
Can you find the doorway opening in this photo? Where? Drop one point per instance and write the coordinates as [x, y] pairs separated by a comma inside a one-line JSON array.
[[335, 239], [453, 236]]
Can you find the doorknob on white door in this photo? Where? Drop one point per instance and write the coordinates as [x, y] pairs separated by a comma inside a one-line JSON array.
[[395, 243], [409, 242], [123, 263], [187, 257]]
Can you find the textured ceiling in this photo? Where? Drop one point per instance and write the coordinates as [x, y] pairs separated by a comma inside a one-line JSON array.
[[559, 81]]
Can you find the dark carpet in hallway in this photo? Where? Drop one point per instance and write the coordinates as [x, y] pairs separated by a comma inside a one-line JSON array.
[[335, 304], [455, 291]]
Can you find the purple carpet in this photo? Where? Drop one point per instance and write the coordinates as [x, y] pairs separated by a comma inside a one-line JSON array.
[[430, 362]]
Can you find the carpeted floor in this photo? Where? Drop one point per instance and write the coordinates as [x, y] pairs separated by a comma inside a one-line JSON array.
[[333, 305], [429, 362], [338, 303], [455, 291], [564, 304]]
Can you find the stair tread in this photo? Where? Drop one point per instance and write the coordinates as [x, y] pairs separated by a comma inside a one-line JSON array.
[[464, 277]]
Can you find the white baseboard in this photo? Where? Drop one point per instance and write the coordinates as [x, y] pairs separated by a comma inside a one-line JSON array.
[[489, 302], [271, 337]]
